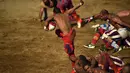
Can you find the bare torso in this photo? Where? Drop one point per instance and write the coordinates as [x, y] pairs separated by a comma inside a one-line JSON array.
[[63, 23], [115, 21]]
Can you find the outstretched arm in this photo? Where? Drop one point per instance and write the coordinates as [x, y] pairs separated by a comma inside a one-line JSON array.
[[91, 18], [74, 8]]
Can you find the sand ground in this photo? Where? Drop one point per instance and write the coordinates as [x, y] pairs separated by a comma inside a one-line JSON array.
[[26, 48]]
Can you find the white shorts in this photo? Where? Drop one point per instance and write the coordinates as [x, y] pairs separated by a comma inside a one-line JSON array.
[[115, 34], [123, 32]]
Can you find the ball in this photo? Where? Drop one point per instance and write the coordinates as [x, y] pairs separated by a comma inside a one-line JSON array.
[[51, 25]]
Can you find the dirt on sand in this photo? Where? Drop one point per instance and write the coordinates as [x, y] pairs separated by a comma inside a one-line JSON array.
[[26, 48]]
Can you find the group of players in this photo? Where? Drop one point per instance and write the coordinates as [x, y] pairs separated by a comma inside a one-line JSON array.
[[114, 33]]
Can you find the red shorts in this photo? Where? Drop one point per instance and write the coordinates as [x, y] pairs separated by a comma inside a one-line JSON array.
[[74, 16], [68, 41], [101, 31]]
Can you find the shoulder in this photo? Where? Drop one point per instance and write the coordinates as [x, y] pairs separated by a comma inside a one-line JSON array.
[[115, 18]]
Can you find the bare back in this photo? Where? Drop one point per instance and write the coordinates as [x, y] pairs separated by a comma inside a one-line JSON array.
[[115, 21], [63, 22]]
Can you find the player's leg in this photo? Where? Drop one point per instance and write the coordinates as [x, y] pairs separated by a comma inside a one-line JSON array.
[[95, 39], [69, 45], [112, 37]]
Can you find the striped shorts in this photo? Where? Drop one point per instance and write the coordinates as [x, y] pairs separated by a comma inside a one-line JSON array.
[[115, 34]]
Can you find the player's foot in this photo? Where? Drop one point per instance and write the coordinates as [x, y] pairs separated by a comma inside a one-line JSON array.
[[117, 50], [89, 46]]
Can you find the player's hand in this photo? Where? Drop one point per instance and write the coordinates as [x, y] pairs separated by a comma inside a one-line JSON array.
[[45, 28], [95, 26], [81, 2], [89, 19]]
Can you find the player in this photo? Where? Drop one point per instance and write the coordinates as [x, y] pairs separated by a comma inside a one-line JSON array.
[[64, 5], [65, 31], [106, 64], [100, 29]]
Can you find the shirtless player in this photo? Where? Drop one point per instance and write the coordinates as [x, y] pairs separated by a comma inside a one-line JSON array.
[[64, 5], [65, 31], [120, 32]]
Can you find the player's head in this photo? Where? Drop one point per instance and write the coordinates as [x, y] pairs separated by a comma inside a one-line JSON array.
[[84, 61], [126, 68], [104, 11], [48, 3], [104, 14]]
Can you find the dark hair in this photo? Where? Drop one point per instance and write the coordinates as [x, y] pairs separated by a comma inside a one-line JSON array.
[[104, 11], [84, 60]]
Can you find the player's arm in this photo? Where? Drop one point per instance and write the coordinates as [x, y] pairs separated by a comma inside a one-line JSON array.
[[47, 21], [43, 9], [91, 18], [70, 11]]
